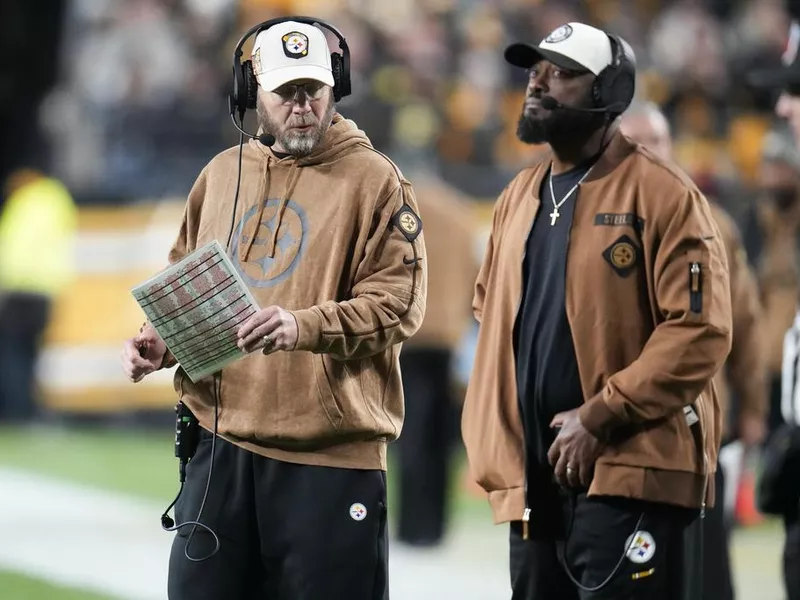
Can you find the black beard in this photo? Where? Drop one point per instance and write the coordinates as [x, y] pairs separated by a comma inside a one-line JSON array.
[[561, 124]]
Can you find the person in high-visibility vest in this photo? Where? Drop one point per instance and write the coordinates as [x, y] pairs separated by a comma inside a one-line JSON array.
[[37, 228]]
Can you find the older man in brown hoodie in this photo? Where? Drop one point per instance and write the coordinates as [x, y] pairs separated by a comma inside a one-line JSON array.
[[327, 237]]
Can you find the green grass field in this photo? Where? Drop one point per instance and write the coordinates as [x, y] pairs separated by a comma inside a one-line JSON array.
[[140, 463], [135, 462], [14, 586]]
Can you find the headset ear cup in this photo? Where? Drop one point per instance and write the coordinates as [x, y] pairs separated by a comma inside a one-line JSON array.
[[626, 88], [346, 84], [250, 85], [236, 91], [336, 71]]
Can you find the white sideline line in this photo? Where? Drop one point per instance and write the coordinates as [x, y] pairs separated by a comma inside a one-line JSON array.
[[81, 537], [113, 544]]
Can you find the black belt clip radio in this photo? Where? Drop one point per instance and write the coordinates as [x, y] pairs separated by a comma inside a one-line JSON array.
[[187, 436]]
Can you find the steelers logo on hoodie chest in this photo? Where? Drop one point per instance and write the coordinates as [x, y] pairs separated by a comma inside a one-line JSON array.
[[268, 252]]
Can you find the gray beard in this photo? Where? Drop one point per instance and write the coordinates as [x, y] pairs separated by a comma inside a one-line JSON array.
[[297, 143]]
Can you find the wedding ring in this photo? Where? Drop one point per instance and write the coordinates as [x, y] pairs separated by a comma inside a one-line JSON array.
[[570, 469], [267, 344]]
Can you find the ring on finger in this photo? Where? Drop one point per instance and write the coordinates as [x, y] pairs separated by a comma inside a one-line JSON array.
[[268, 343]]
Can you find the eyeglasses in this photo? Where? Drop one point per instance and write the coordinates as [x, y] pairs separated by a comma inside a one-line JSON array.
[[288, 93]]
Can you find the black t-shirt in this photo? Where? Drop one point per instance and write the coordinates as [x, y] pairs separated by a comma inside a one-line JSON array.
[[547, 369]]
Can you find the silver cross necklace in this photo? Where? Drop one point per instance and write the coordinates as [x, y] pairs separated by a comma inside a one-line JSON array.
[[556, 205]]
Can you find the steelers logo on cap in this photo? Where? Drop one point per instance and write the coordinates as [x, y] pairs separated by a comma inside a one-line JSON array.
[[295, 44], [559, 35]]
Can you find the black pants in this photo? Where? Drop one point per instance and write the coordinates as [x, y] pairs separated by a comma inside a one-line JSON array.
[[286, 531], [775, 415], [424, 445], [709, 578], [791, 556], [23, 319], [601, 531]]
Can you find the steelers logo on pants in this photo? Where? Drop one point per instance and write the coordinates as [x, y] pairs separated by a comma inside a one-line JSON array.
[[358, 511], [641, 547]]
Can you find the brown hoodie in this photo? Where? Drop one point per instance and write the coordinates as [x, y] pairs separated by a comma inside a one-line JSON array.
[[334, 242]]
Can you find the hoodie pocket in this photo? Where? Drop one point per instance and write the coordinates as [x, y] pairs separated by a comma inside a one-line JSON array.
[[327, 398]]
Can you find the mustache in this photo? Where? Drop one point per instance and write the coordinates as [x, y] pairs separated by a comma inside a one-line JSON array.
[[308, 119]]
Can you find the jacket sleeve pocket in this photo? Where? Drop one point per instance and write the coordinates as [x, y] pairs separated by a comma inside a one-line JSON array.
[[696, 287], [705, 286]]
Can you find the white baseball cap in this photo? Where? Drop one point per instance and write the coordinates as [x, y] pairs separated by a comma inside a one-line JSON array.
[[290, 51], [573, 46]]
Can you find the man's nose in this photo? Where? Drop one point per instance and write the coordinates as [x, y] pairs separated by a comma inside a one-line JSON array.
[[301, 104], [537, 84]]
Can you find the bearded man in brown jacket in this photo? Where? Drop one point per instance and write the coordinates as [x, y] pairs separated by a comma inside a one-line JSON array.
[[591, 419], [328, 240]]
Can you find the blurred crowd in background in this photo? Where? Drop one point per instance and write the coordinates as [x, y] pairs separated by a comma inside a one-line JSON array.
[[139, 96]]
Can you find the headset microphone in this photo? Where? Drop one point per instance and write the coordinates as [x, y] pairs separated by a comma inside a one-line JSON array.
[[550, 103], [266, 139]]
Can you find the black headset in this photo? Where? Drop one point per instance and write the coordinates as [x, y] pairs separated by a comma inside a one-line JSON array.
[[614, 86], [245, 86]]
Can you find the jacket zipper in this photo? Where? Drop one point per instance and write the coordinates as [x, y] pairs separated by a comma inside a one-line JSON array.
[[700, 410], [695, 288], [526, 517], [526, 513]]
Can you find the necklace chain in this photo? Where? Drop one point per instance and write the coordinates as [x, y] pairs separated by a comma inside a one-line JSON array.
[[556, 205]]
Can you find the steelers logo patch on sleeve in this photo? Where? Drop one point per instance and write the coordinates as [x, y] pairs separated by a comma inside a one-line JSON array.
[[407, 221]]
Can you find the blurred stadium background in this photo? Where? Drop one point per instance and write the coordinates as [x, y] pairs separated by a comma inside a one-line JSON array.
[[124, 101]]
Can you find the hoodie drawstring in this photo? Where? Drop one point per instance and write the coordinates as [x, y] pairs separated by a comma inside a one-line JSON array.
[[293, 177], [253, 230]]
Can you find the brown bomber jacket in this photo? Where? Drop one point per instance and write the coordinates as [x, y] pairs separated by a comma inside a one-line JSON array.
[[648, 302]]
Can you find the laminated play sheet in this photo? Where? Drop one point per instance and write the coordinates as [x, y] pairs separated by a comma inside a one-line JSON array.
[[196, 306]]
